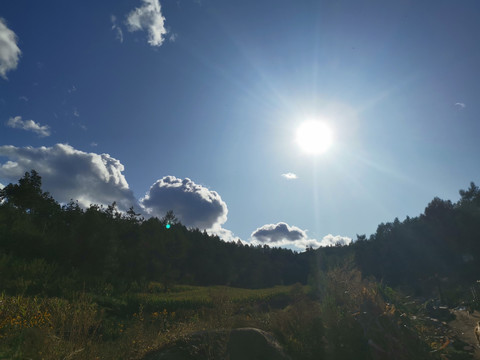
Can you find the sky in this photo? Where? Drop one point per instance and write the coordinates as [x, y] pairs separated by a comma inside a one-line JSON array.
[[194, 106]]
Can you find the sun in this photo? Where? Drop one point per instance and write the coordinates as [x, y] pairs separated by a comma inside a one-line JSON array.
[[314, 137]]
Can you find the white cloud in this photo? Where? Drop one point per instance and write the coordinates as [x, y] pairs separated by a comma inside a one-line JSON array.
[[116, 28], [9, 51], [29, 125], [24, 98], [273, 233], [282, 234], [331, 240], [93, 178], [461, 105], [194, 205], [290, 176], [148, 17], [224, 234], [68, 174], [75, 112]]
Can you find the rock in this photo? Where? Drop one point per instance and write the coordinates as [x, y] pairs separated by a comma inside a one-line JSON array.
[[236, 344]]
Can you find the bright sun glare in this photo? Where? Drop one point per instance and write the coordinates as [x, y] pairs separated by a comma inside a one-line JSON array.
[[314, 137]]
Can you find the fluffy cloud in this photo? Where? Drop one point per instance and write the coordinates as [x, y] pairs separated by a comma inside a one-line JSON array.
[[194, 205], [331, 240], [148, 17], [93, 178], [68, 174], [224, 234], [9, 51], [273, 233], [29, 125], [290, 176], [282, 234]]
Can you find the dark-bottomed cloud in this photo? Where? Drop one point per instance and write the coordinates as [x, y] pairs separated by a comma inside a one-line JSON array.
[[282, 234], [71, 174], [194, 205], [68, 174], [273, 233]]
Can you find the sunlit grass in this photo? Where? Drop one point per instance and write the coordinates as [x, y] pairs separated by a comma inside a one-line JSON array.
[[55, 328], [337, 317], [183, 296]]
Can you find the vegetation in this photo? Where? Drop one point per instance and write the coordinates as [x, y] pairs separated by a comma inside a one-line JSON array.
[[101, 284], [99, 246]]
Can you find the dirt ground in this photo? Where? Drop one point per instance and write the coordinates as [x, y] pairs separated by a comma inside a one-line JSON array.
[[463, 326]]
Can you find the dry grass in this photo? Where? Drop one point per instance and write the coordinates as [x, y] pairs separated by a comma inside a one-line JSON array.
[[78, 328], [347, 318]]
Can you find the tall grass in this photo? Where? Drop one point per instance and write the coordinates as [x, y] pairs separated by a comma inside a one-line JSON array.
[[342, 316]]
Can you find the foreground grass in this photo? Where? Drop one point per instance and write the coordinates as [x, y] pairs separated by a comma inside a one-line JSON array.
[[340, 316], [125, 327]]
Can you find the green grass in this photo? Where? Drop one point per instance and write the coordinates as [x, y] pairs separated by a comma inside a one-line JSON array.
[[191, 296], [328, 321], [89, 326]]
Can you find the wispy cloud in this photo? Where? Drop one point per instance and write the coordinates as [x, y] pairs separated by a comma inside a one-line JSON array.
[[24, 98], [75, 112], [28, 125], [282, 234], [149, 18], [116, 28], [9, 50], [290, 176], [461, 105]]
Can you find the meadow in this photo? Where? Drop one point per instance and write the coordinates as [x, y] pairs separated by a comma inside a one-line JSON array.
[[338, 315], [95, 326]]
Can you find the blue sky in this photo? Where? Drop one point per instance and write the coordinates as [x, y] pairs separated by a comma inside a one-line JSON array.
[[195, 106]]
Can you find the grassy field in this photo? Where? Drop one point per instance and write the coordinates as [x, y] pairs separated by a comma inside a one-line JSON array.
[[340, 316], [89, 326]]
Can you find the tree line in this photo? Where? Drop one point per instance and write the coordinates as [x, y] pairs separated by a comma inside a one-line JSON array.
[[46, 247], [101, 245], [436, 254]]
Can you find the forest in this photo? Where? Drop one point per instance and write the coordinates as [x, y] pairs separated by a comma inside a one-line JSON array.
[[119, 269]]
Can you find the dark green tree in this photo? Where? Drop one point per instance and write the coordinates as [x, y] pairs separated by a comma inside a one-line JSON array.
[[27, 195]]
